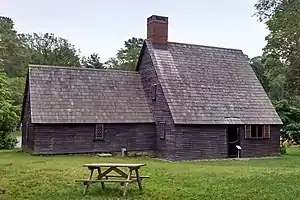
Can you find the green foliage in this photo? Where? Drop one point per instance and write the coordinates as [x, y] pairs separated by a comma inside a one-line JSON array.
[[266, 8], [259, 69], [93, 61], [13, 58], [17, 85], [16, 133], [282, 19], [47, 49], [290, 116], [127, 57], [277, 86], [283, 149], [281, 60], [8, 114], [7, 141]]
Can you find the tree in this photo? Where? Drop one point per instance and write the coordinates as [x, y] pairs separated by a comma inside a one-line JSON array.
[[266, 8], [17, 85], [127, 57], [13, 58], [47, 49], [93, 61], [290, 116], [259, 69], [283, 42], [8, 115]]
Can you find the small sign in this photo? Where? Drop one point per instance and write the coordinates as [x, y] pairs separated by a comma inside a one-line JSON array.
[[238, 147]]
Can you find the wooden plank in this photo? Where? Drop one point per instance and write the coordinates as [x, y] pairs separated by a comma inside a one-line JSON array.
[[123, 174], [96, 165], [126, 177], [87, 185], [103, 180], [126, 184], [99, 173], [100, 176], [138, 179]]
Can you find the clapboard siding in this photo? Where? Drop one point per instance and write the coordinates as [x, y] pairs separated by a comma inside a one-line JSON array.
[[79, 138], [195, 142], [27, 138], [261, 147], [161, 112]]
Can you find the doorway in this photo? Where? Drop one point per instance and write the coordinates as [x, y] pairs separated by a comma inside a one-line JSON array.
[[233, 139]]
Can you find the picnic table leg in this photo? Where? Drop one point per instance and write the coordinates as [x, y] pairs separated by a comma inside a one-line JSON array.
[[87, 184], [138, 178], [126, 184], [99, 174]]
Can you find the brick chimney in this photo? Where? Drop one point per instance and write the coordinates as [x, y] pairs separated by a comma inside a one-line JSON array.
[[157, 29]]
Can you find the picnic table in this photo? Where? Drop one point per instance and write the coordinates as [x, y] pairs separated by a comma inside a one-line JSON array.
[[103, 175]]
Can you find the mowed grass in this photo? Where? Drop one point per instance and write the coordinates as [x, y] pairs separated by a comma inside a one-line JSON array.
[[52, 177]]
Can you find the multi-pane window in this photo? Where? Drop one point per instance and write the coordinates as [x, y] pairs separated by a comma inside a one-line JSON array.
[[154, 91], [257, 131], [162, 130], [99, 132]]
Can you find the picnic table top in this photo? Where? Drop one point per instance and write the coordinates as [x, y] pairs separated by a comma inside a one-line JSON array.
[[113, 165]]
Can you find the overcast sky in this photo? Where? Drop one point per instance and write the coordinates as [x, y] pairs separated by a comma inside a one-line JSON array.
[[102, 26]]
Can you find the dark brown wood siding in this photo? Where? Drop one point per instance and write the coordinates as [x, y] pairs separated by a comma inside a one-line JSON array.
[[27, 130], [261, 147], [194, 142], [79, 138], [164, 147]]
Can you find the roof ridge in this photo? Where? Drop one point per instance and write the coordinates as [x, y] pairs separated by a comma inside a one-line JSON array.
[[207, 46], [200, 45], [80, 68]]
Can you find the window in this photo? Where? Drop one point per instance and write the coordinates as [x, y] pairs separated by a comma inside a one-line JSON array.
[[99, 132], [257, 131], [153, 92], [267, 131], [162, 130]]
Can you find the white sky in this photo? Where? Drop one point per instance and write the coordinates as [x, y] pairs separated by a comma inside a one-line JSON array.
[[102, 26]]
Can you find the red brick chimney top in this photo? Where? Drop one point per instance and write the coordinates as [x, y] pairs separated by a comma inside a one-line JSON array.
[[157, 29]]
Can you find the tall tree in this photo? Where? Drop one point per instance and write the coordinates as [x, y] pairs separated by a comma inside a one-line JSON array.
[[283, 42], [47, 49], [13, 58], [8, 114], [259, 69], [93, 61], [127, 57], [17, 85]]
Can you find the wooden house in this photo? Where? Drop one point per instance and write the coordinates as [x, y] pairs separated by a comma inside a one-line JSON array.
[[184, 102]]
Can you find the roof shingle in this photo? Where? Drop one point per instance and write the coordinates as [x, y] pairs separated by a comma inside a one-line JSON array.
[[78, 95], [210, 85]]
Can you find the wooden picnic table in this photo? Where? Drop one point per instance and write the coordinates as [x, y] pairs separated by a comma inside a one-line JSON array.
[[102, 177]]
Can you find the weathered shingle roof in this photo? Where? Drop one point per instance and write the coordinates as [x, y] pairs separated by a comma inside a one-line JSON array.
[[78, 95], [210, 85]]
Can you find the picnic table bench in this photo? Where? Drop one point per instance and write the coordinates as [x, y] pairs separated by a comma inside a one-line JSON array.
[[102, 177]]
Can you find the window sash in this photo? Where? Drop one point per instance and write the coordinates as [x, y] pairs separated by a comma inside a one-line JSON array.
[[266, 131], [154, 91], [99, 132], [162, 130]]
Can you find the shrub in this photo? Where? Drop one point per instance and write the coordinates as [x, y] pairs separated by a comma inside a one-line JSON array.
[[7, 141], [283, 147]]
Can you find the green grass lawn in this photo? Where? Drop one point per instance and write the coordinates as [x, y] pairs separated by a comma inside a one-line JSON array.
[[52, 177]]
